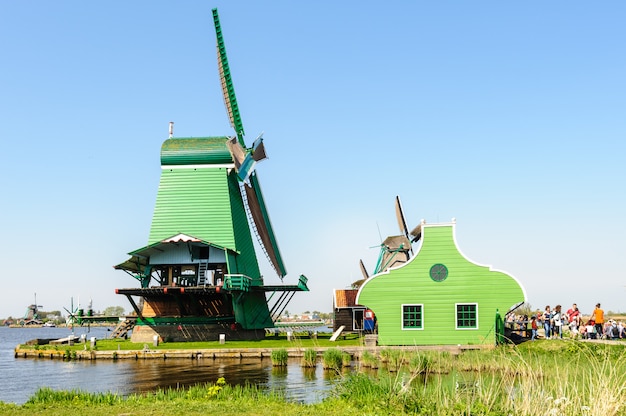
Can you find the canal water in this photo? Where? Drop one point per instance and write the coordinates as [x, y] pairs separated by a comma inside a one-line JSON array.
[[21, 377]]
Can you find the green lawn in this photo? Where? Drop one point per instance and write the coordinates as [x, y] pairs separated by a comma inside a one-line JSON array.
[[302, 340]]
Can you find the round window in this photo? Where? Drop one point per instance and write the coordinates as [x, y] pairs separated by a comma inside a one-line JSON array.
[[438, 272]]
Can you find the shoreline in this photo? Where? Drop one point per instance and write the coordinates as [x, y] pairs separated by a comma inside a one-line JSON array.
[[221, 353]]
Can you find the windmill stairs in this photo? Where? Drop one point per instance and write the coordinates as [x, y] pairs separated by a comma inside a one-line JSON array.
[[124, 327]]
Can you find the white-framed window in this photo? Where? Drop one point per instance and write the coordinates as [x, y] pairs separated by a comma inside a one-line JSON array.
[[466, 315], [413, 316]]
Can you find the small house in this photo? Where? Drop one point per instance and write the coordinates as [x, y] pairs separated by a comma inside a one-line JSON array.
[[346, 312]]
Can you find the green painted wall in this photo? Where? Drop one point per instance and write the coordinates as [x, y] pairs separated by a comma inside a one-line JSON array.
[[466, 282], [205, 202], [251, 310]]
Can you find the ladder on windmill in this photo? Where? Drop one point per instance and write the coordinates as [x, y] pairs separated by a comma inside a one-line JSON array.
[[203, 269], [122, 329]]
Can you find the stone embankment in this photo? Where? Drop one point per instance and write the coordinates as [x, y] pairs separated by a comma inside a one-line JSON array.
[[217, 353]]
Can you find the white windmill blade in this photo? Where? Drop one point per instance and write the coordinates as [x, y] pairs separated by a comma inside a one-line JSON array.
[[400, 217], [363, 270]]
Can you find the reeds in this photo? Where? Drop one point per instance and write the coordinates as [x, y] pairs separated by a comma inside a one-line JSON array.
[[542, 379], [570, 381], [309, 359], [280, 357], [332, 359], [369, 360]]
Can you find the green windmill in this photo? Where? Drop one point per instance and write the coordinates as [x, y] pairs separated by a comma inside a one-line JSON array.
[[199, 273]]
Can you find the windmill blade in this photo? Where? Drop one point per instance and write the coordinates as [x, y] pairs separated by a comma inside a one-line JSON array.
[[264, 230], [416, 233], [245, 161], [363, 270], [237, 151], [401, 220], [230, 100], [400, 217], [258, 152], [256, 205]]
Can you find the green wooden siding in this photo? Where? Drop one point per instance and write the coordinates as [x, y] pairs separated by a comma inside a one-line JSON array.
[[411, 284], [205, 203], [196, 202]]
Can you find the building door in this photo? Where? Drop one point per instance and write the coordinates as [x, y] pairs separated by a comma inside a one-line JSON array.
[[357, 319]]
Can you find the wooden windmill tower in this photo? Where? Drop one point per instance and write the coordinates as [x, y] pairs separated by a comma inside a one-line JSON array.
[[199, 273]]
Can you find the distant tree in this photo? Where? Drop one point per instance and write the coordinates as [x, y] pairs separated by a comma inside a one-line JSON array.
[[306, 312], [524, 309], [114, 311], [286, 313], [324, 316]]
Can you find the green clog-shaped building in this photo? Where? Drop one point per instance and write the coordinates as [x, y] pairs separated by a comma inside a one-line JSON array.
[[439, 296]]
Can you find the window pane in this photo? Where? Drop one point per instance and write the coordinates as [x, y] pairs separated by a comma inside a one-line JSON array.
[[466, 316], [412, 316]]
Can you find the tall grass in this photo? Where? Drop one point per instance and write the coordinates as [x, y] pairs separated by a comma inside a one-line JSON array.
[[542, 378], [309, 359], [332, 359], [280, 357], [572, 380], [369, 360]]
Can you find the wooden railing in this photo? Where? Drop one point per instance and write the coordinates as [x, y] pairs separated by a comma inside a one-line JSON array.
[[237, 282]]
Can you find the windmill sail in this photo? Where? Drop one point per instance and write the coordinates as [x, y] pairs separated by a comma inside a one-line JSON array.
[[263, 225], [400, 217], [230, 100], [363, 270], [246, 159]]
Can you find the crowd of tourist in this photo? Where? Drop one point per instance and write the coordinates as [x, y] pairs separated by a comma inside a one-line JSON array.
[[555, 323]]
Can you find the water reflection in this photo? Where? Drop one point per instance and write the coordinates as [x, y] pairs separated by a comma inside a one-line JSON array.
[[305, 385], [150, 374], [129, 376]]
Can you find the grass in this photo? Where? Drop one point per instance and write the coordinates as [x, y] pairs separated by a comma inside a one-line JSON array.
[[332, 359], [309, 359], [300, 340], [536, 378], [280, 357]]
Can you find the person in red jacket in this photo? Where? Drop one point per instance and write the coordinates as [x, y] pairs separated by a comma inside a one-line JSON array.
[[573, 320], [533, 327]]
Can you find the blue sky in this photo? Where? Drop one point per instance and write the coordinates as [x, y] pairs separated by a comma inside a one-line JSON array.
[[506, 116]]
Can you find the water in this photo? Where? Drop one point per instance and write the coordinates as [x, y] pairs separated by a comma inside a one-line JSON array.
[[21, 377]]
